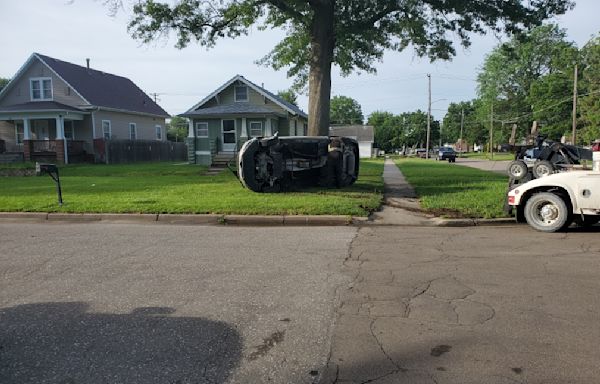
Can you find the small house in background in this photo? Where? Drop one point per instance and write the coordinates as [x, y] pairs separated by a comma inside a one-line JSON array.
[[232, 114], [53, 110], [364, 134]]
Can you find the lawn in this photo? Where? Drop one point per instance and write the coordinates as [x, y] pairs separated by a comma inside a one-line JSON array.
[[181, 188], [451, 190]]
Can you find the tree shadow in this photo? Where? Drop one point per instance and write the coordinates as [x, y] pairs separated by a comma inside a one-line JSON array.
[[63, 343]]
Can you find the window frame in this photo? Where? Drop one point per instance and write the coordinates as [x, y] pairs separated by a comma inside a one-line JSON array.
[[40, 82], [134, 136], [262, 131], [235, 94], [158, 131], [109, 130], [198, 129], [19, 134]]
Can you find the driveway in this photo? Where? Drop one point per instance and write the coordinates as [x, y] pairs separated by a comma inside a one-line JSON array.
[[486, 165], [128, 303]]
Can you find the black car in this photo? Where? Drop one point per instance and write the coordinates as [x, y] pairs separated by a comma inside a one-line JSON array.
[[275, 164], [446, 153]]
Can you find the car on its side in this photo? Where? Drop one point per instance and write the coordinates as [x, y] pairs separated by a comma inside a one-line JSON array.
[[446, 153]]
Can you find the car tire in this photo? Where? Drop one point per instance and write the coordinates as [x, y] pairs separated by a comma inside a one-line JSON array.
[[547, 212], [517, 169], [542, 168]]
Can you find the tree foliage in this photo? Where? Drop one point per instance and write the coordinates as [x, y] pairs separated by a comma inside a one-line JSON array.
[[473, 131], [590, 101], [345, 110], [407, 130], [349, 34], [3, 82], [530, 78], [289, 95], [177, 129]]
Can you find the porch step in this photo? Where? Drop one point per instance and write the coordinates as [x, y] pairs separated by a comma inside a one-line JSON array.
[[11, 157], [220, 160]]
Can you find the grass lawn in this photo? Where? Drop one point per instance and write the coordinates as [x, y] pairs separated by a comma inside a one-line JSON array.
[[451, 190], [183, 188]]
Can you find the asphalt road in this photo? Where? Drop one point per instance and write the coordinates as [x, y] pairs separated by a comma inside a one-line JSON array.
[[129, 303]]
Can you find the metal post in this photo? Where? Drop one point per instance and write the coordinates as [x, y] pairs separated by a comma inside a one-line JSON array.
[[575, 106], [462, 123], [428, 119], [492, 132]]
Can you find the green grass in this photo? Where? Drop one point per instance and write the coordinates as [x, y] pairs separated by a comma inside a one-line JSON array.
[[486, 156], [23, 165], [451, 190], [183, 188]]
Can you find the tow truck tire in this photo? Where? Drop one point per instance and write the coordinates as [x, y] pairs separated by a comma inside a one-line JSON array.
[[517, 169], [542, 168], [547, 212]]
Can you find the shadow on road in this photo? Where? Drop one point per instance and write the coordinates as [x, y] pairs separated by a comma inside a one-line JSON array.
[[64, 343]]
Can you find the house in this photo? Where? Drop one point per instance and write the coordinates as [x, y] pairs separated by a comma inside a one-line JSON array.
[[235, 112], [54, 110], [364, 134]]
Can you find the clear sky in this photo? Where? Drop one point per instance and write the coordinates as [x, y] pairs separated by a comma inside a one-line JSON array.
[[73, 30]]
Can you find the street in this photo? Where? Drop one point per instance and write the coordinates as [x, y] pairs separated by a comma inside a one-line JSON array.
[[152, 303]]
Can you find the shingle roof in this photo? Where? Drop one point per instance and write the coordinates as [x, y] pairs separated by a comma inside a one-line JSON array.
[[278, 100], [360, 132], [39, 106], [230, 109], [104, 89]]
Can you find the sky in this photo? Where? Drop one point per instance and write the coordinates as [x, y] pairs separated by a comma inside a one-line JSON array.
[[73, 30]]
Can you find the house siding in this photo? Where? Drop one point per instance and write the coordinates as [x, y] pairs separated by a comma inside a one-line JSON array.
[[19, 93], [145, 125], [7, 133]]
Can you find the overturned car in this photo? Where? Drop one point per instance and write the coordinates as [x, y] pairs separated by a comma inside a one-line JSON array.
[[275, 164]]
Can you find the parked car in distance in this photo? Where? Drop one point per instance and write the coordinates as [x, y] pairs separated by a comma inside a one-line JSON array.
[[421, 152], [446, 153]]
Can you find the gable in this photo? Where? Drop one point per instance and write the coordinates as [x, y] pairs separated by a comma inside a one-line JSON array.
[[227, 97], [18, 92]]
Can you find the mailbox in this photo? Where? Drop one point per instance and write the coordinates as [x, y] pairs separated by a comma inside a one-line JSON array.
[[52, 171]]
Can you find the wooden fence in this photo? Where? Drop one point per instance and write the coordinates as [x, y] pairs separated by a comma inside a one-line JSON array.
[[131, 151]]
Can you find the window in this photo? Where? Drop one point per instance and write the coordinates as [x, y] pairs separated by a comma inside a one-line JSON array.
[[19, 133], [241, 93], [132, 131], [106, 129], [256, 129], [69, 130], [201, 129], [158, 132], [41, 88]]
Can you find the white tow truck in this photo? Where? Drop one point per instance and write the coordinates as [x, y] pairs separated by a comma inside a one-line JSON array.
[[552, 203]]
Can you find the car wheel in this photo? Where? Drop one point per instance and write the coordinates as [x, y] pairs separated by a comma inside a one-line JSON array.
[[517, 169], [547, 212], [542, 168]]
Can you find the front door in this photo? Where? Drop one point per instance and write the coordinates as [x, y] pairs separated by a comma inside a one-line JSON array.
[[228, 136]]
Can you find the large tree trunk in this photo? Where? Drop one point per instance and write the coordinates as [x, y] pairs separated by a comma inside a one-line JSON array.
[[319, 78]]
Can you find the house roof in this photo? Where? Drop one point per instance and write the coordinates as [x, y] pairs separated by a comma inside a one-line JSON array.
[[40, 106], [231, 109], [360, 132], [294, 110], [99, 88]]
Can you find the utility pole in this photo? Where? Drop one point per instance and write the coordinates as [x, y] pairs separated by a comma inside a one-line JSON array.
[[155, 95], [462, 123], [574, 105], [492, 132], [428, 118]]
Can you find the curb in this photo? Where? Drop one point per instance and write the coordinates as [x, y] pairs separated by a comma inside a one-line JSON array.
[[240, 220]]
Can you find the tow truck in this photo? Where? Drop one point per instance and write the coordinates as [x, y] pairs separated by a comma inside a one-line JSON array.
[[553, 202]]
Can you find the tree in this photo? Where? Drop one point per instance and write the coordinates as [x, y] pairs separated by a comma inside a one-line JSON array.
[[473, 131], [289, 95], [345, 110], [528, 79], [408, 129], [177, 129], [590, 102], [384, 134], [3, 82], [349, 34]]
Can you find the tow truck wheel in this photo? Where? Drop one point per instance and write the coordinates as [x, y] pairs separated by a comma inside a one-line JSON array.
[[547, 212], [517, 169], [542, 168]]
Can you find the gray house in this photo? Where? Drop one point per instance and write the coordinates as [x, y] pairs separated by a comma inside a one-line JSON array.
[[235, 112], [55, 109]]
